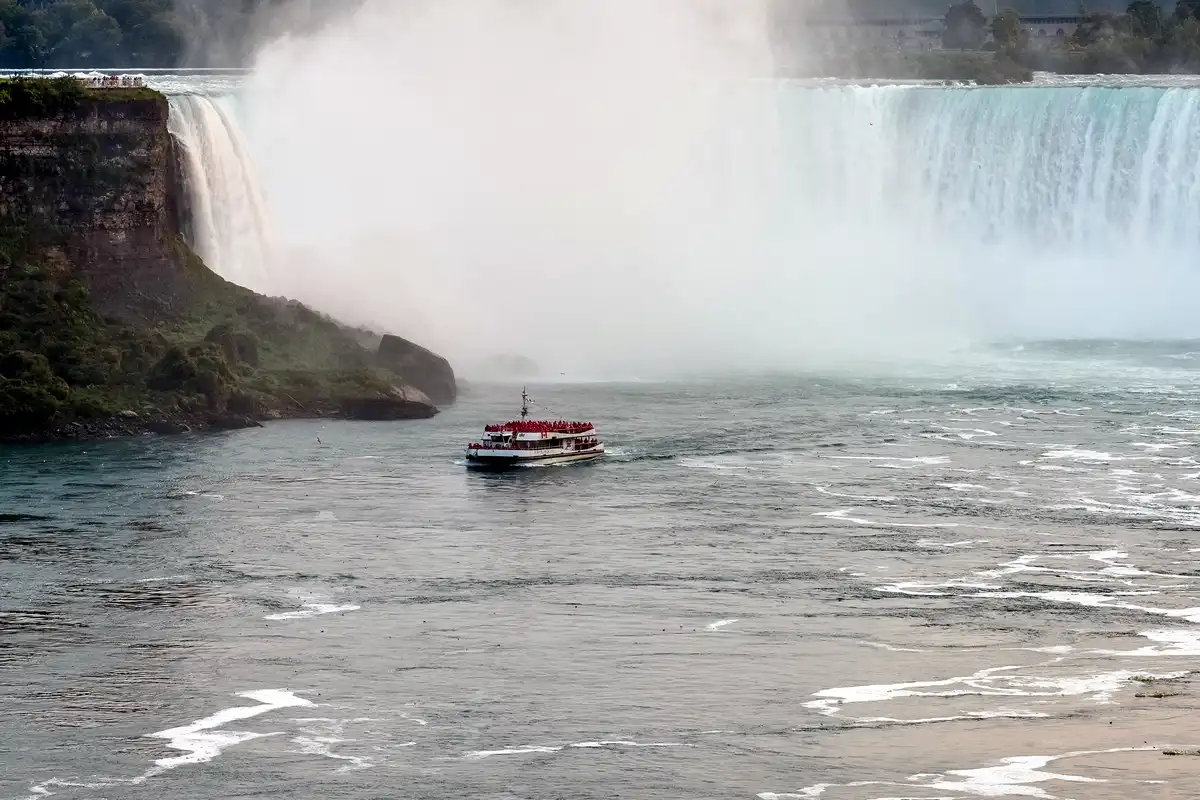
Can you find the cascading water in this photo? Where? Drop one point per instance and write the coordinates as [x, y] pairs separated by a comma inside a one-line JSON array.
[[229, 223], [814, 220], [1039, 211]]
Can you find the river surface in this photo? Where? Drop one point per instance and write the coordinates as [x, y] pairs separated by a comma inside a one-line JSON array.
[[788, 587]]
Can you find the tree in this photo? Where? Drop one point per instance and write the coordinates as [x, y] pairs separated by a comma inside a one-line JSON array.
[[22, 44], [1008, 32], [965, 26], [1098, 26], [1145, 18], [1187, 9], [79, 34], [152, 34]]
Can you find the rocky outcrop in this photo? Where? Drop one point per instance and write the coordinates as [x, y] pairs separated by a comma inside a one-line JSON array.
[[421, 368], [110, 325], [385, 408]]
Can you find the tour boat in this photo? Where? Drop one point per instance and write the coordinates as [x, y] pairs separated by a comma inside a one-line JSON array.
[[534, 443]]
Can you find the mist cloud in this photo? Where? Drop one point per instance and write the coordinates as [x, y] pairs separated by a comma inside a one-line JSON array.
[[605, 184]]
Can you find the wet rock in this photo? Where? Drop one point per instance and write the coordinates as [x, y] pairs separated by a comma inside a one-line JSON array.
[[231, 422], [127, 414], [386, 408], [418, 367], [167, 427]]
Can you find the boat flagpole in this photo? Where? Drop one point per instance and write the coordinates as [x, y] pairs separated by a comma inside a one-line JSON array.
[[524, 403]]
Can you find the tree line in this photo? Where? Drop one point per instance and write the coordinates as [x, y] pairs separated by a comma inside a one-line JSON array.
[[1144, 38], [43, 34]]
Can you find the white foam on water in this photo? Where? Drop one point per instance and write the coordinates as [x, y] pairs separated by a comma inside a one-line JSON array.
[[843, 515], [1015, 775], [1002, 681], [518, 751], [1090, 600], [1092, 456], [873, 498], [201, 740], [897, 462], [163, 579], [1167, 643], [410, 718], [322, 734], [312, 607], [43, 789], [818, 789], [923, 589], [892, 648], [721, 623]]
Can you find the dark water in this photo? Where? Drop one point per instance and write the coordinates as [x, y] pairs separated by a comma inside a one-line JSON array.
[[791, 587]]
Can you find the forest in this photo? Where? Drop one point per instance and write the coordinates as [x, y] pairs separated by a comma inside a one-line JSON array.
[[117, 34], [1145, 38]]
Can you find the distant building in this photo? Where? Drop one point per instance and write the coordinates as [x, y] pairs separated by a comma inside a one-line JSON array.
[[1050, 28]]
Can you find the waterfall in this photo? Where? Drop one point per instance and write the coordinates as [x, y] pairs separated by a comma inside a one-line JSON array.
[[808, 221], [229, 226], [1051, 211]]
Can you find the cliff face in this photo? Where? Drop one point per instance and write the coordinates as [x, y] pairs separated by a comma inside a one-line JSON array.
[[90, 182], [110, 324]]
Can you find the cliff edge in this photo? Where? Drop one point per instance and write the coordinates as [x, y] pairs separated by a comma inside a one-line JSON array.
[[111, 325]]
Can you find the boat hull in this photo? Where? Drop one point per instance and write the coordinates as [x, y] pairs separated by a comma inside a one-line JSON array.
[[504, 463]]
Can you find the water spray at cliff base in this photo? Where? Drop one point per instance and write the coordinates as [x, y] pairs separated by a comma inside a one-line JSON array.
[[617, 188]]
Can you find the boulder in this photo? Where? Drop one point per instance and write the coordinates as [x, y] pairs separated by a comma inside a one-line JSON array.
[[231, 422], [419, 368], [167, 427], [385, 408]]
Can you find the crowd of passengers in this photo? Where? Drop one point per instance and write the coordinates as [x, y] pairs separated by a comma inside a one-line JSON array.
[[540, 444]]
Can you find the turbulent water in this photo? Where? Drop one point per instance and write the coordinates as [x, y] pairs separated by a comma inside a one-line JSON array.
[[779, 588]]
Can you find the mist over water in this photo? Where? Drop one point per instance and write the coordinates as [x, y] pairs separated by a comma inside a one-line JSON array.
[[615, 190]]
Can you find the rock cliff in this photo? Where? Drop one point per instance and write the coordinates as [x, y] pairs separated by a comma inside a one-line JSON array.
[[110, 324], [423, 368]]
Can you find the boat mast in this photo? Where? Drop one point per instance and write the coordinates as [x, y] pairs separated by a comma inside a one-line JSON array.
[[524, 403]]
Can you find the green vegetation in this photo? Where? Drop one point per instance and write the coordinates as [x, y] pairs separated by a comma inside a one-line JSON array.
[[89, 33], [231, 352], [68, 34], [1144, 39]]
